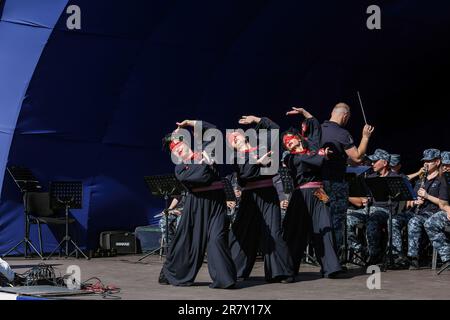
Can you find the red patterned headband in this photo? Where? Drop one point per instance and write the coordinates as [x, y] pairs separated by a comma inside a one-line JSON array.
[[288, 137], [174, 144]]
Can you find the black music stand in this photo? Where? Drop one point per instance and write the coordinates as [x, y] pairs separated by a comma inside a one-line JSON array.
[[357, 188], [66, 195], [390, 189], [26, 181], [164, 186]]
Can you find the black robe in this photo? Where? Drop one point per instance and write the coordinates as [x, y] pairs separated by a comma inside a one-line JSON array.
[[258, 223], [202, 228], [307, 217]]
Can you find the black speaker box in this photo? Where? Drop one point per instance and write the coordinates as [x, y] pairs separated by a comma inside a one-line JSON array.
[[122, 242]]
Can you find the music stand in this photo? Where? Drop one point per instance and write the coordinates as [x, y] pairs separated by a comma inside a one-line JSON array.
[[26, 182], [390, 189], [357, 188], [164, 186], [66, 195]]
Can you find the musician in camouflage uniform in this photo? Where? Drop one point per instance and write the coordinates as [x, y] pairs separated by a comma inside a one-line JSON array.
[[426, 205], [373, 217], [400, 218], [175, 211], [436, 224]]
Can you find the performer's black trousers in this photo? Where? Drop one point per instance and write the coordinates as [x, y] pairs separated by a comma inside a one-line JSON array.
[[202, 228], [258, 225], [309, 218]]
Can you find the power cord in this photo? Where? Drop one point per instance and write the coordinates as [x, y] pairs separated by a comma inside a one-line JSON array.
[[107, 291]]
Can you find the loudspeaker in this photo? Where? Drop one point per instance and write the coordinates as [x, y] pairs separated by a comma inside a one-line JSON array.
[[122, 242]]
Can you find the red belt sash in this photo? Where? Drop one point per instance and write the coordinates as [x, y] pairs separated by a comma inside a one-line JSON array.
[[216, 185], [258, 184], [311, 185]]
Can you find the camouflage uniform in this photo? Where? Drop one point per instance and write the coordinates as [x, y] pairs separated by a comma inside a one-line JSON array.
[[434, 227], [415, 232], [173, 223], [416, 223], [437, 223], [355, 217], [374, 220], [338, 193], [172, 219], [399, 221], [378, 212]]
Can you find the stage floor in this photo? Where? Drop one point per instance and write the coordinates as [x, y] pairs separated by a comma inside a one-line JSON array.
[[139, 281]]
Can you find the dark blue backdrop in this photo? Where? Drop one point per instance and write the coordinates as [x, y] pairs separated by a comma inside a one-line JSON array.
[[93, 104]]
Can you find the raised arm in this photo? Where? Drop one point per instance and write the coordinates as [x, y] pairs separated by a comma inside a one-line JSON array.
[[356, 155], [193, 123], [261, 123], [414, 175], [310, 127]]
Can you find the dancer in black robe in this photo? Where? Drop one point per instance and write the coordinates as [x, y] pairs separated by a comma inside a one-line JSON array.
[[203, 223], [308, 215], [258, 221]]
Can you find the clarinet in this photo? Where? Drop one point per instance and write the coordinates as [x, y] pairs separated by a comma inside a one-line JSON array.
[[422, 185]]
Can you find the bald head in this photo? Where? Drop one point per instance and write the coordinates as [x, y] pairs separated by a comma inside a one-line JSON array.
[[340, 113], [341, 107]]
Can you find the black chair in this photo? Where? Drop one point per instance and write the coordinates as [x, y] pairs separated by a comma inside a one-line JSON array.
[[40, 212]]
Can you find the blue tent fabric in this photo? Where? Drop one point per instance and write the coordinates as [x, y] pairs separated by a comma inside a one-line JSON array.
[[25, 27], [93, 104]]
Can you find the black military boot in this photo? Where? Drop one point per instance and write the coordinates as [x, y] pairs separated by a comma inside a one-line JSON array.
[[414, 264], [374, 260], [401, 262]]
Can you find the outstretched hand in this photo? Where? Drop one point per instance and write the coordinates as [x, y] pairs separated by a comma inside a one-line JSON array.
[[206, 159], [185, 123], [265, 159], [249, 120], [295, 111], [300, 111]]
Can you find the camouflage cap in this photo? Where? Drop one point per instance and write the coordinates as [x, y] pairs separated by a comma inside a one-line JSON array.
[[431, 154], [380, 154], [445, 157], [395, 160]]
